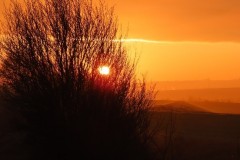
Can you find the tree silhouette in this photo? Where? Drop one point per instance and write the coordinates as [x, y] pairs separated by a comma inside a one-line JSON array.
[[50, 54]]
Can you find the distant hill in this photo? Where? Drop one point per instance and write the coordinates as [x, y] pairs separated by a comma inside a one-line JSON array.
[[177, 106], [218, 107], [215, 107]]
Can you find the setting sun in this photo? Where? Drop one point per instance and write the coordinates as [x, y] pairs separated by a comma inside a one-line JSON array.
[[104, 70]]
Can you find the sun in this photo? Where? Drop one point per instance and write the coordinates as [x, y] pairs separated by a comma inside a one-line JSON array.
[[104, 70]]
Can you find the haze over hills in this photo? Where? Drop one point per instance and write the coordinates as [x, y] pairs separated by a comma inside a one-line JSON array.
[[178, 107], [212, 96], [197, 84], [202, 90]]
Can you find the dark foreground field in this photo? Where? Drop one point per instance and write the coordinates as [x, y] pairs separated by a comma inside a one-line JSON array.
[[202, 136], [196, 135]]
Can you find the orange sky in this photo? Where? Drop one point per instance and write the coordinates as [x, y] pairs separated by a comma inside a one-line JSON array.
[[197, 39], [181, 20], [192, 39]]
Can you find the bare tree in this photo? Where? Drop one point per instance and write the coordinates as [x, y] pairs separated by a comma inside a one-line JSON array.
[[50, 54]]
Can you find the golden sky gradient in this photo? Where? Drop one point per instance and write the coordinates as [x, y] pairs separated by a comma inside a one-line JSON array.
[[180, 20], [197, 39], [187, 39]]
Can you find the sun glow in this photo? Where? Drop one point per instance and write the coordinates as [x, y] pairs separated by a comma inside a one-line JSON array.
[[104, 70]]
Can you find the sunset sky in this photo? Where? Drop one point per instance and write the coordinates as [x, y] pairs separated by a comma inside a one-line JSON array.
[[182, 39], [196, 39]]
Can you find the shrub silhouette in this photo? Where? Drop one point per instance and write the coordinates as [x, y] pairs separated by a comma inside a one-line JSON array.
[[50, 54]]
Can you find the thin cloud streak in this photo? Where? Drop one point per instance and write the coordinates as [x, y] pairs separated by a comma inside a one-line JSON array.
[[142, 41], [139, 40], [149, 41]]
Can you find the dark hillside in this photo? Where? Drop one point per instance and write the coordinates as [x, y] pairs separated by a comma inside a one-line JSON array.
[[201, 136]]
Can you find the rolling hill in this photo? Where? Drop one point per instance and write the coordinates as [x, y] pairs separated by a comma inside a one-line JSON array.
[[177, 106]]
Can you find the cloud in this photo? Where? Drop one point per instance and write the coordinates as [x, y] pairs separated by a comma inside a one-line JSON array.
[[181, 20], [177, 20]]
